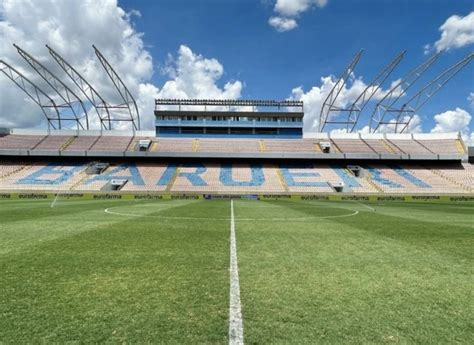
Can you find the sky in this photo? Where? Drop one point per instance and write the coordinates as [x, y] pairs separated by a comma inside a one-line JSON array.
[[248, 49]]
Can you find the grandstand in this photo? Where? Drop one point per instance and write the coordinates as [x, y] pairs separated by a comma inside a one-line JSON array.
[[240, 178], [219, 146], [123, 143], [393, 164]]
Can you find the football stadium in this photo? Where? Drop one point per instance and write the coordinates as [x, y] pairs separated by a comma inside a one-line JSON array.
[[228, 222]]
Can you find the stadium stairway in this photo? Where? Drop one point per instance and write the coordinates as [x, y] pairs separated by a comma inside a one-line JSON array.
[[67, 143], [338, 149], [317, 148], [369, 179], [388, 146], [173, 180], [40, 142], [131, 145], [282, 180], [154, 146], [15, 171], [460, 147], [421, 144], [93, 144], [368, 145], [395, 146], [451, 180], [196, 145], [82, 178]]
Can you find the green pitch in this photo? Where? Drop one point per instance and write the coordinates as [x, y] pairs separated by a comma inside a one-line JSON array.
[[319, 272]]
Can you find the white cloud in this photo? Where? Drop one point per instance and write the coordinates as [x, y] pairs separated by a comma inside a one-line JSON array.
[[147, 93], [288, 10], [315, 97], [292, 8], [282, 24], [71, 27], [456, 32], [457, 120], [414, 126], [470, 99], [469, 140], [193, 76]]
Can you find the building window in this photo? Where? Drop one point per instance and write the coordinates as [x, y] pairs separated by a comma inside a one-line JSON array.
[[213, 130], [192, 130]]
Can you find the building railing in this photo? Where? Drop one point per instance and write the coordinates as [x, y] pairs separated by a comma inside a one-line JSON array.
[[232, 123]]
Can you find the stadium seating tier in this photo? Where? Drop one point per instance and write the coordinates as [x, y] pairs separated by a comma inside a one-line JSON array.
[[251, 146], [240, 178]]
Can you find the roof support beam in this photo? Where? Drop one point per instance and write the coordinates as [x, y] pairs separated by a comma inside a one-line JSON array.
[[379, 113], [128, 101], [328, 105], [101, 107], [409, 109], [37, 95], [70, 99], [364, 98]]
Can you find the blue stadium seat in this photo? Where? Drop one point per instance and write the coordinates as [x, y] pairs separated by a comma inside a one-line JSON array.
[[63, 173], [193, 177], [348, 180], [133, 175], [409, 177], [226, 177], [289, 176], [377, 177]]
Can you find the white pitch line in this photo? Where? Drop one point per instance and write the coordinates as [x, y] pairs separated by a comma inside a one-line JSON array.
[[55, 199], [236, 327], [367, 206], [271, 219]]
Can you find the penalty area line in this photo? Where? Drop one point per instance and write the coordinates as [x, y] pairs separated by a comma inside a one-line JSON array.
[[236, 328], [55, 199], [366, 206]]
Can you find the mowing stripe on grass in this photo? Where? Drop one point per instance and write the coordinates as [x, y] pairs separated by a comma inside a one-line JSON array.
[[236, 327]]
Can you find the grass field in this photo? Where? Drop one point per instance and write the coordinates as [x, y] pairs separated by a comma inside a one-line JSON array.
[[316, 272]]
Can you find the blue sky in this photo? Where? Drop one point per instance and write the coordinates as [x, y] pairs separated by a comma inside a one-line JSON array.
[[227, 48], [271, 63]]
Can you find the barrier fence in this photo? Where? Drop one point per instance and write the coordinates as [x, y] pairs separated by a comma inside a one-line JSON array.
[[305, 197]]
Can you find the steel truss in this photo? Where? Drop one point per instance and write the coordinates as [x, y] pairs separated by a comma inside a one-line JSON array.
[[364, 98], [72, 103], [100, 105], [129, 102], [38, 96], [408, 110], [380, 113], [355, 109], [328, 105]]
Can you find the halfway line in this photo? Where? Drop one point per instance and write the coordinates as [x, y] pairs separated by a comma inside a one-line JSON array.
[[236, 328]]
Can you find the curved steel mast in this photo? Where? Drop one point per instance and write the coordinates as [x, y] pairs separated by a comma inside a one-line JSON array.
[[128, 100], [387, 102], [70, 99], [328, 105], [86, 88], [37, 95]]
